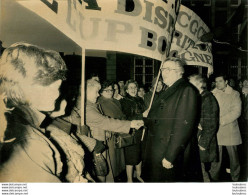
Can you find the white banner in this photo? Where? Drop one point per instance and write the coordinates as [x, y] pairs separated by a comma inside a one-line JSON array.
[[145, 28], [186, 41]]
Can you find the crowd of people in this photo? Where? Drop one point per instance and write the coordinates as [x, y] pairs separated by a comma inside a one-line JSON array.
[[180, 128]]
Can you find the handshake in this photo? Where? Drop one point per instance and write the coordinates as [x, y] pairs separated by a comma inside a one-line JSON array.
[[136, 124]]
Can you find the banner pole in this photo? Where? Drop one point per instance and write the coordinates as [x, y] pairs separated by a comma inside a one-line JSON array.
[[83, 100], [167, 54]]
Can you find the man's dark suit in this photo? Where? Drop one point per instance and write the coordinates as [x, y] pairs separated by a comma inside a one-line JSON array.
[[171, 135]]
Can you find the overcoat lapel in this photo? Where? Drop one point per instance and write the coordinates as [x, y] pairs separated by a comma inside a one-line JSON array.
[[168, 92]]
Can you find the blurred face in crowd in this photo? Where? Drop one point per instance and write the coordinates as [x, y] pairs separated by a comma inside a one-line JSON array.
[[141, 92], [132, 89], [220, 83], [240, 84], [232, 83], [198, 83], [170, 72], [96, 78], [41, 97], [108, 92], [245, 83], [116, 89], [92, 94], [121, 84], [159, 86]]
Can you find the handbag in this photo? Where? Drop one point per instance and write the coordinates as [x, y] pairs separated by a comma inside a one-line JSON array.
[[100, 164], [122, 140]]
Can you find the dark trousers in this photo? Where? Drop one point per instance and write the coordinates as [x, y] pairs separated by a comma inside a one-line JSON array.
[[234, 163]]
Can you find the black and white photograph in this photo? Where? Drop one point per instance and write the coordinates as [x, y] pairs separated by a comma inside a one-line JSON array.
[[143, 96]]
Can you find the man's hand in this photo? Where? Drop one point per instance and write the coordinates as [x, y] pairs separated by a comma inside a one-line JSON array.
[[136, 124], [201, 148], [166, 164], [99, 147]]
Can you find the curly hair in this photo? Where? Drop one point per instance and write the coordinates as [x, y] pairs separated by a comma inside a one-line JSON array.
[[129, 82]]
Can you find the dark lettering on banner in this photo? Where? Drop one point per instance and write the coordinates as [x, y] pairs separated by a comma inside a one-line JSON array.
[[129, 7], [148, 39], [151, 41], [121, 8], [53, 6], [148, 15], [178, 35], [160, 20], [173, 53], [184, 20], [191, 27], [191, 43], [208, 59], [92, 4], [201, 29], [160, 17], [183, 41], [179, 19], [113, 30], [162, 44], [192, 56]]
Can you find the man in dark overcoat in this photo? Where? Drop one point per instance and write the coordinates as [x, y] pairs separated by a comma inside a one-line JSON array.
[[208, 126], [171, 153]]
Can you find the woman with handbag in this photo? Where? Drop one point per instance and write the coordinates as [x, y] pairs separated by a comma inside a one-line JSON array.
[[99, 123], [133, 107], [112, 108]]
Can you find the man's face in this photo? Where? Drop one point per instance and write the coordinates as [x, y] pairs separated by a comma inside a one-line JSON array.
[[132, 89], [92, 94], [197, 83], [108, 92], [220, 83], [159, 86], [170, 72], [141, 92], [41, 97], [121, 83]]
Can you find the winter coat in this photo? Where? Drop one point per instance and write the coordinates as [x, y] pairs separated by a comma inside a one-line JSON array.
[[112, 108], [230, 110], [209, 124], [31, 157], [99, 123], [148, 97], [133, 108], [172, 135]]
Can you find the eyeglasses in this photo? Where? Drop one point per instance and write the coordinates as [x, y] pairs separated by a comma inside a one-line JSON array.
[[167, 69], [132, 88], [108, 90]]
